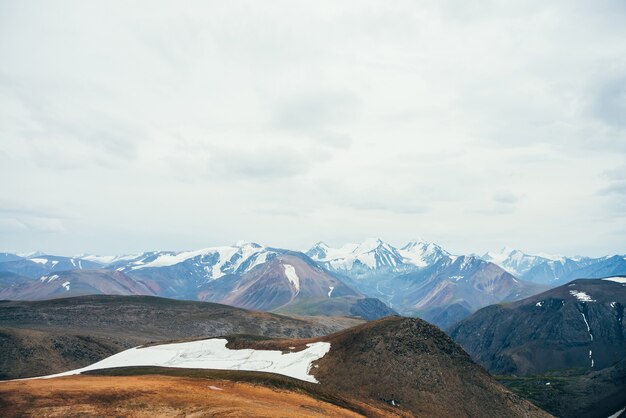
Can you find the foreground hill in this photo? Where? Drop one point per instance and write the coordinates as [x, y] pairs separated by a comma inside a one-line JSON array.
[[408, 363], [399, 366], [413, 364], [51, 336], [578, 325], [210, 394]]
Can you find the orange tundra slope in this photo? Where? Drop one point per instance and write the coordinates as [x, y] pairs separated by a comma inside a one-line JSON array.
[[150, 396]]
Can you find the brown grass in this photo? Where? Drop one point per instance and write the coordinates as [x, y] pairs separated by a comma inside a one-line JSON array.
[[150, 396]]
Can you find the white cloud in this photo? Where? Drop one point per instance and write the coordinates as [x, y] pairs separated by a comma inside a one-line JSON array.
[[208, 122]]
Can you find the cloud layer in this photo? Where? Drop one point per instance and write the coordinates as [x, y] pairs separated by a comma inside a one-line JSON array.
[[154, 125]]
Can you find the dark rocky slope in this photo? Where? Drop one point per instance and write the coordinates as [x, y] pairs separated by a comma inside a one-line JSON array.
[[578, 325], [573, 394], [410, 364]]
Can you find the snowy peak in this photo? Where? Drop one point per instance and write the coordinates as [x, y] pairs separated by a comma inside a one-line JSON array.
[[247, 244], [520, 263], [371, 254], [371, 244], [210, 263], [374, 254], [421, 253], [319, 251]]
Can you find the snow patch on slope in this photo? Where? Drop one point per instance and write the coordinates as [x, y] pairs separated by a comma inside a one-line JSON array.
[[290, 272], [213, 354], [581, 296], [616, 279]]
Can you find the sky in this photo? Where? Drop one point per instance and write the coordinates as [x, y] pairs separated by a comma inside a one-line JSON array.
[[133, 126]]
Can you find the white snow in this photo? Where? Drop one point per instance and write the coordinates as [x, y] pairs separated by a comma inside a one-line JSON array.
[[618, 413], [518, 262], [260, 259], [52, 278], [330, 291], [540, 304], [582, 296], [107, 259], [588, 327], [66, 285], [166, 260], [73, 262], [616, 279], [290, 272], [457, 278], [229, 259], [213, 354], [373, 253], [39, 260]]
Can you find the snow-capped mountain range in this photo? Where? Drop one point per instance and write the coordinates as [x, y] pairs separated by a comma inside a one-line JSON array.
[[555, 270], [419, 278], [375, 255], [208, 263]]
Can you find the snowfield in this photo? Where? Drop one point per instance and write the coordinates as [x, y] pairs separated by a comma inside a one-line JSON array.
[[292, 276], [581, 296], [616, 279], [213, 354]]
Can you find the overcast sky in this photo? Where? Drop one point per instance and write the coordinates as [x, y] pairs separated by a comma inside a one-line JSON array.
[[136, 126]]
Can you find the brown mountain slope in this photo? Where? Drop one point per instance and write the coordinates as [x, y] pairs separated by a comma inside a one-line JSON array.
[[149, 396], [407, 363], [71, 283], [284, 280]]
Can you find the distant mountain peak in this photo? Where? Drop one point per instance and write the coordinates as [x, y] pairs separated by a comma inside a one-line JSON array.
[[414, 243], [31, 254], [370, 244], [243, 243]]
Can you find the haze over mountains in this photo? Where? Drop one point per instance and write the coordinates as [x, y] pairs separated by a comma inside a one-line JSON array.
[[555, 270]]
